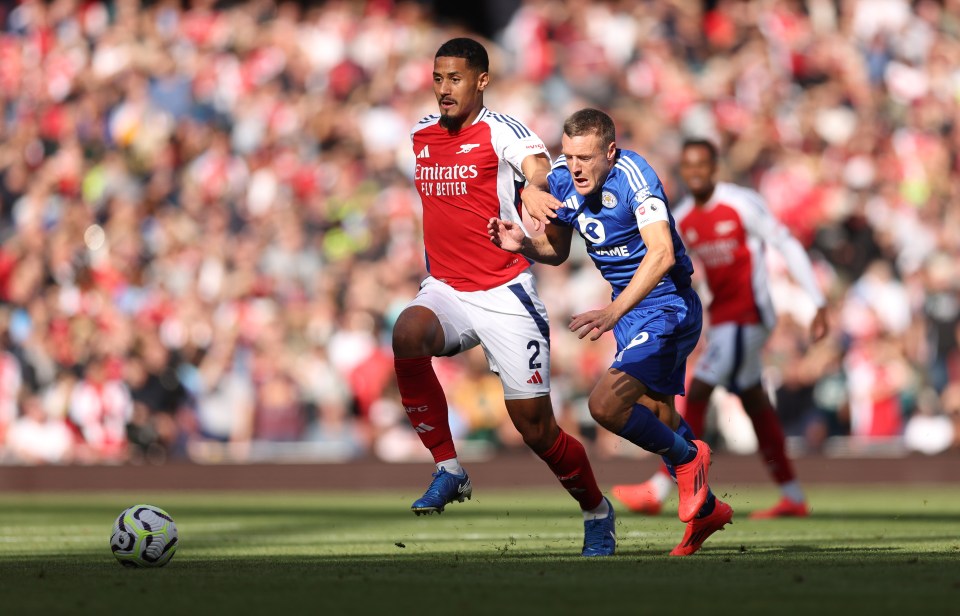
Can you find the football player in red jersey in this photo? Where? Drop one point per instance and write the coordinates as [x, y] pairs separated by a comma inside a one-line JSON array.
[[471, 165], [728, 227]]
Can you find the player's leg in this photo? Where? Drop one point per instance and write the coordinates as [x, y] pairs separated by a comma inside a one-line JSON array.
[[698, 400], [766, 424], [773, 451], [567, 459], [648, 497], [517, 344], [634, 398], [433, 324], [624, 405], [563, 454]]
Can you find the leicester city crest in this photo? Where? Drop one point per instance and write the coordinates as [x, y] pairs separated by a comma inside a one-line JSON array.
[[608, 199]]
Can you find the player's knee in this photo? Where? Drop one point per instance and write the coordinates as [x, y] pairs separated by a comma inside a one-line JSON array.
[[602, 412], [416, 334], [406, 341]]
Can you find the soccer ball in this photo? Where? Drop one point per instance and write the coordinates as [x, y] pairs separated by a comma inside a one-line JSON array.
[[144, 536]]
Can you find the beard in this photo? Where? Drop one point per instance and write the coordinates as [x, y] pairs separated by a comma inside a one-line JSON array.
[[451, 123], [704, 193]]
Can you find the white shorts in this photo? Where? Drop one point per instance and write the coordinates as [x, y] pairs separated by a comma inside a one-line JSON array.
[[733, 356], [509, 322]]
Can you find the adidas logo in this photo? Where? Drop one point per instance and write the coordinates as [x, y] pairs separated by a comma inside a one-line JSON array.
[[423, 428], [699, 479], [536, 379], [424, 153]]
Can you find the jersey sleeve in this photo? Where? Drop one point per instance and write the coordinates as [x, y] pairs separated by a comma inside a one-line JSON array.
[[513, 141], [650, 211], [560, 185], [648, 200], [761, 223]]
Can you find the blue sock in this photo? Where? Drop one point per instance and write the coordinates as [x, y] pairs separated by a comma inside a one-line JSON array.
[[645, 430], [685, 430]]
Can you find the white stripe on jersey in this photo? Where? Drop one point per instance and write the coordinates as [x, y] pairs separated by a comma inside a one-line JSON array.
[[632, 171]]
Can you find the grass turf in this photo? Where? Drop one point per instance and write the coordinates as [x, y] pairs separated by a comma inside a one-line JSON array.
[[890, 549]]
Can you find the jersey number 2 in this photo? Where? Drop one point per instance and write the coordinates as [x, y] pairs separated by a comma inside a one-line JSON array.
[[534, 364]]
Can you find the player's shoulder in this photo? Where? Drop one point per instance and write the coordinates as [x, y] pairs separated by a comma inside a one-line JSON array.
[[682, 208], [634, 175], [503, 122], [559, 174], [739, 196], [426, 122], [634, 168], [559, 166], [634, 160]]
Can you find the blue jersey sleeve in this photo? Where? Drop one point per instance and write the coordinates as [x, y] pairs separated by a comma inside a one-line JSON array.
[[643, 181], [561, 187]]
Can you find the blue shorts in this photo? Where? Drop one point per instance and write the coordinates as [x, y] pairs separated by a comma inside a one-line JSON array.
[[655, 339]]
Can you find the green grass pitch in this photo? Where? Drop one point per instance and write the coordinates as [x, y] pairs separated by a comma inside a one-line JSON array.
[[890, 550]]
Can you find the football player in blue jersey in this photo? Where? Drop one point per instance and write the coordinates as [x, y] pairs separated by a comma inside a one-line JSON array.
[[616, 202]]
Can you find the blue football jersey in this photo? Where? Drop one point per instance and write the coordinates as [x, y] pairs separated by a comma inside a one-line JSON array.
[[608, 221]]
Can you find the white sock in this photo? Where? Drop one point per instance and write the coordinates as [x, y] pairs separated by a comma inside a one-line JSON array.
[[451, 466], [791, 490], [599, 512], [662, 486]]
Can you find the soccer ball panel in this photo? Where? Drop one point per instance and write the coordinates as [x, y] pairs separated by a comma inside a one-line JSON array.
[[144, 536]]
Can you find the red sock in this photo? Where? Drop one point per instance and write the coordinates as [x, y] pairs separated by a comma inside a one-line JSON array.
[[696, 415], [772, 443], [426, 406], [568, 460]]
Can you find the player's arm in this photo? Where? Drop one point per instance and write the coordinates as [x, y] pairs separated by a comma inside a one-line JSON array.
[[537, 200], [654, 266], [772, 231], [551, 247]]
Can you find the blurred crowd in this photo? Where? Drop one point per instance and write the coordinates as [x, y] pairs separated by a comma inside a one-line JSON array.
[[208, 224]]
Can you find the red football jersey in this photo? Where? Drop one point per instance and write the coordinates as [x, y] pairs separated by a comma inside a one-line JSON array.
[[464, 179], [727, 236]]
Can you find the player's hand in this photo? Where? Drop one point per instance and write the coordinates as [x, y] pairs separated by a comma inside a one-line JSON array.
[[819, 327], [586, 322], [505, 234], [540, 205]]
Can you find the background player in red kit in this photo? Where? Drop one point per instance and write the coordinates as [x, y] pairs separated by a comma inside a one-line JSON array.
[[728, 226], [471, 165]]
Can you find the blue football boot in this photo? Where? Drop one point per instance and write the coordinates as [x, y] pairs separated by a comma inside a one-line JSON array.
[[600, 536], [445, 488]]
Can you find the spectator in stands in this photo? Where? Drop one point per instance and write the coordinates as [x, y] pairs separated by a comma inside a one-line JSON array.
[[183, 173]]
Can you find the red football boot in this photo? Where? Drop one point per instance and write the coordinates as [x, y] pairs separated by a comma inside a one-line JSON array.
[[692, 482], [639, 498], [698, 530], [786, 508]]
